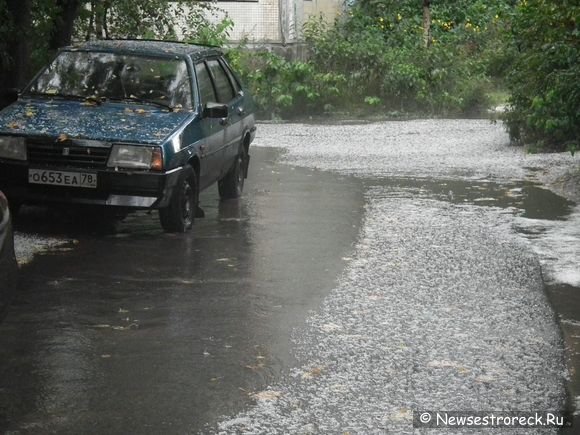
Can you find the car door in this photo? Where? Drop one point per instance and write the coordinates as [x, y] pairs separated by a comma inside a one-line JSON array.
[[227, 94], [213, 129]]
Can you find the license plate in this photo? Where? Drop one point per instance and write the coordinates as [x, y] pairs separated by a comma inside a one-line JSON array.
[[62, 178]]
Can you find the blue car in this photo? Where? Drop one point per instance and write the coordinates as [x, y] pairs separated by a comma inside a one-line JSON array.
[[8, 266], [129, 124]]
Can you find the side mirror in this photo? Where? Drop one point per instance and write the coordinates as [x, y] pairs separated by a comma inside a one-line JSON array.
[[215, 110], [8, 96]]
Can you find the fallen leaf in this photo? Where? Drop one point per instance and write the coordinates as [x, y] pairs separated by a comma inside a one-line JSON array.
[[442, 364], [330, 327], [255, 367], [62, 137], [312, 373], [266, 395], [125, 328], [402, 415], [484, 379], [14, 126]]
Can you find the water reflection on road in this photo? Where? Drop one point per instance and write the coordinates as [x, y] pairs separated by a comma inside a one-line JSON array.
[[143, 332]]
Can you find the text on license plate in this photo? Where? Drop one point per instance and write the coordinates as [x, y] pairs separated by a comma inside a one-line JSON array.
[[62, 178]]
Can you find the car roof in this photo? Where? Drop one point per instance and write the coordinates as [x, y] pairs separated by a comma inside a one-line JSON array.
[[147, 47]]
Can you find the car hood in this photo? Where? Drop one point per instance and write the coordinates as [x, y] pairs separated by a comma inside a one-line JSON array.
[[110, 121]]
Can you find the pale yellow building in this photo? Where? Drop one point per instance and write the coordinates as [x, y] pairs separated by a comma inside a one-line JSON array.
[[274, 21]]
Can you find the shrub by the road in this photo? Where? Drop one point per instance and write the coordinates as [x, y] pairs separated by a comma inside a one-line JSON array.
[[545, 80]]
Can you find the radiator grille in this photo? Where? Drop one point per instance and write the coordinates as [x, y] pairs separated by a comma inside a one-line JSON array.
[[53, 153]]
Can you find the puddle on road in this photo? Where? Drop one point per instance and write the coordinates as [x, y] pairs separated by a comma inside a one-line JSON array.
[[526, 199], [142, 331]]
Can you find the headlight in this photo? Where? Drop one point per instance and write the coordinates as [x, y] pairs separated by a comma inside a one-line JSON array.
[[136, 157], [12, 147]]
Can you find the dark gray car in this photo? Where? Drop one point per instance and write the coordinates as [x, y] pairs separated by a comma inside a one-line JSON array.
[[129, 125]]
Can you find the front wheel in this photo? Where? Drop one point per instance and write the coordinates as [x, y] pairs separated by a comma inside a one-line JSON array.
[[232, 185], [178, 216]]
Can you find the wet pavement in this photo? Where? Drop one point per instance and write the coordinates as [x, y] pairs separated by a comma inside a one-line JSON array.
[[409, 274], [143, 332]]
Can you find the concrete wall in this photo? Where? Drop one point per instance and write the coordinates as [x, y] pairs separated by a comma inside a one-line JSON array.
[[273, 21], [255, 21], [329, 9]]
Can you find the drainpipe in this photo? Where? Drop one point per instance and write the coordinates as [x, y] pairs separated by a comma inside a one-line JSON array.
[[282, 20]]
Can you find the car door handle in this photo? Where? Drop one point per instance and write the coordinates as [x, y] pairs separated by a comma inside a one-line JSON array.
[[241, 111], [224, 121]]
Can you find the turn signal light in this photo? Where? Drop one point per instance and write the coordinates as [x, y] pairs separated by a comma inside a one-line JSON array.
[[157, 160]]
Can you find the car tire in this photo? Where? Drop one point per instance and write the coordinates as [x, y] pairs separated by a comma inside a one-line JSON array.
[[15, 209], [178, 216], [232, 185]]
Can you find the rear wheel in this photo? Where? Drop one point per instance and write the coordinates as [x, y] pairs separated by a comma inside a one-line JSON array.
[[232, 185], [178, 216]]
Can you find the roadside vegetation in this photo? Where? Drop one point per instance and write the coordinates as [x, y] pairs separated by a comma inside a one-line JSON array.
[[381, 57]]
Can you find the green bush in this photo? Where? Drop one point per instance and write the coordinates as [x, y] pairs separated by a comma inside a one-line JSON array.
[[283, 88], [373, 59], [545, 80]]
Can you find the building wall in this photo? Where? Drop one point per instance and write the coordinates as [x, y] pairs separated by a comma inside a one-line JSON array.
[[329, 9], [273, 21], [256, 21]]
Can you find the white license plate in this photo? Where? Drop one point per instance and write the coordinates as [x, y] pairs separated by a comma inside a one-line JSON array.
[[62, 178]]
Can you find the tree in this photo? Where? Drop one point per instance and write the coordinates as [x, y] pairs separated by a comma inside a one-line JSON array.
[[32, 30], [544, 81], [16, 68], [427, 23], [63, 22]]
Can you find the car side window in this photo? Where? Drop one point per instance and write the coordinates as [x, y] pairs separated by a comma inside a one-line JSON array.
[[206, 89], [233, 80], [222, 83]]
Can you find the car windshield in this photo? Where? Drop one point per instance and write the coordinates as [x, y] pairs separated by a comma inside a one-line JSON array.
[[100, 76]]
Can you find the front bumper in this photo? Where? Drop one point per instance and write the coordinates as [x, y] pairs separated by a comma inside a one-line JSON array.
[[123, 188]]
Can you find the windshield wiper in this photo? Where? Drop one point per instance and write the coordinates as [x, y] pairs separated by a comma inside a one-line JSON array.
[[142, 100], [93, 99]]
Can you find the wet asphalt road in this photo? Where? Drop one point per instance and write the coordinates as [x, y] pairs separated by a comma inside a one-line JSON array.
[[144, 332], [409, 274]]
